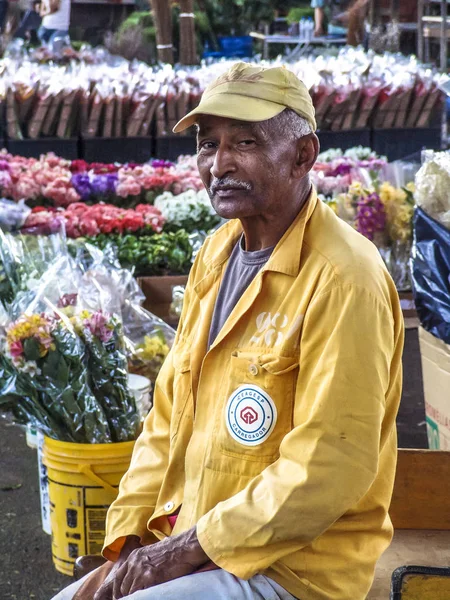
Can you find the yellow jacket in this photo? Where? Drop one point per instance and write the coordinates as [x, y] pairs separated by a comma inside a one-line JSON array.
[[316, 344]]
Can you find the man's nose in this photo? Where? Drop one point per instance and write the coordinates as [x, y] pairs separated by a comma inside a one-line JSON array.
[[224, 162]]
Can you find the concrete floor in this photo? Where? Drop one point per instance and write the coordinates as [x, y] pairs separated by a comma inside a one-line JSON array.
[[26, 570]]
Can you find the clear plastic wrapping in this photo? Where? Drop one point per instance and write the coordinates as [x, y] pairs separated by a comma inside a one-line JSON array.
[[148, 340], [96, 94], [44, 380], [64, 359]]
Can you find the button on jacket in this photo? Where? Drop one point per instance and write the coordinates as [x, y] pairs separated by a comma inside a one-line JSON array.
[[316, 343]]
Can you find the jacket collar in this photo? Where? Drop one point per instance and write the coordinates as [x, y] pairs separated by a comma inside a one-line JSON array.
[[286, 255]]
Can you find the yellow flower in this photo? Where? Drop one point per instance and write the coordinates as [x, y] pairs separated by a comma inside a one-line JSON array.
[[152, 347], [27, 326], [356, 188], [69, 311], [333, 205]]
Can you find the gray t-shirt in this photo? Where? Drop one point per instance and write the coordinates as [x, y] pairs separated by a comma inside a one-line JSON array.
[[241, 270]]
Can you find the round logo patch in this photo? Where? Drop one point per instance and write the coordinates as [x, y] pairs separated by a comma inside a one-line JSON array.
[[250, 415]]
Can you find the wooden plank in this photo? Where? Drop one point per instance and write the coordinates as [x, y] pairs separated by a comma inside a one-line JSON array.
[[421, 490], [426, 548]]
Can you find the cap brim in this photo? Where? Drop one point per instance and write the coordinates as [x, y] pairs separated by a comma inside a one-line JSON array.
[[231, 106]]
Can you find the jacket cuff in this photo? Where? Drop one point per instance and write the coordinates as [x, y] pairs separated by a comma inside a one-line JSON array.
[[205, 529], [114, 542]]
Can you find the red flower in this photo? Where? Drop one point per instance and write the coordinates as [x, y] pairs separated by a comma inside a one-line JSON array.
[[79, 166], [103, 169], [89, 227], [132, 221]]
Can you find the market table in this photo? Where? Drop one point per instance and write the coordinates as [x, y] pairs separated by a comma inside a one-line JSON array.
[[302, 44]]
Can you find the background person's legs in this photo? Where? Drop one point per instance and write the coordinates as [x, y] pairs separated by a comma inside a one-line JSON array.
[[58, 33], [45, 34]]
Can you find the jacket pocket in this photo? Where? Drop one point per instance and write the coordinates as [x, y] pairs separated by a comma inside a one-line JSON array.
[[182, 391], [256, 410]]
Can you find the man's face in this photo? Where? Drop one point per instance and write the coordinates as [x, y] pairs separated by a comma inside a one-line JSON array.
[[245, 168]]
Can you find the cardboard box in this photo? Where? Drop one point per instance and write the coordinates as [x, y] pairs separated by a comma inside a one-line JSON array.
[[435, 356], [158, 293]]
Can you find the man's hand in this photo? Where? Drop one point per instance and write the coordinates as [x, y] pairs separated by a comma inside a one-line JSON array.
[[151, 565]]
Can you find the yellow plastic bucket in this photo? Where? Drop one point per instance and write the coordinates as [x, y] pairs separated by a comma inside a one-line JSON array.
[[83, 481]]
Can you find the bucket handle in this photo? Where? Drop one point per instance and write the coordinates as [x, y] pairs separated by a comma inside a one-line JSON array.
[[86, 470]]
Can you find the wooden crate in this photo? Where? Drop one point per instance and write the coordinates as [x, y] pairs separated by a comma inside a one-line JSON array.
[[158, 293]]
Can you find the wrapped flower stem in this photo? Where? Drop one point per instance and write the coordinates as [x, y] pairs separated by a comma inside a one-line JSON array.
[[105, 353]]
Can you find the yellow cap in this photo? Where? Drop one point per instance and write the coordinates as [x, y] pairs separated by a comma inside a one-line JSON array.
[[251, 93]]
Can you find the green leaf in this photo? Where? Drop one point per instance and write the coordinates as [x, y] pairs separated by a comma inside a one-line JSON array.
[[55, 367], [31, 349]]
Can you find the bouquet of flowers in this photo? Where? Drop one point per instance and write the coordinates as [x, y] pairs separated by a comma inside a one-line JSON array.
[[44, 381], [383, 214], [399, 207], [64, 367], [107, 371]]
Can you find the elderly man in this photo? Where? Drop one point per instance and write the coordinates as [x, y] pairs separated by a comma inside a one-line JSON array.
[[265, 469]]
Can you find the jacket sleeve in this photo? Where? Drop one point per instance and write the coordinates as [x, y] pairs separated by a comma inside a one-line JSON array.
[[140, 486], [329, 459]]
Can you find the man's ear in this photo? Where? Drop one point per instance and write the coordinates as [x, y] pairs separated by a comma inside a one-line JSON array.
[[308, 148]]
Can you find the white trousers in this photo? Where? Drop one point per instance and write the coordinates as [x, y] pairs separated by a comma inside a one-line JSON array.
[[210, 585]]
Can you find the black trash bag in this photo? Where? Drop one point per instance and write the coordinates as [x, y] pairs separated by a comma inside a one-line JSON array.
[[431, 274]]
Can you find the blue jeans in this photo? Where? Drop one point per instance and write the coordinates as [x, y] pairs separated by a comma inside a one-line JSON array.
[[210, 585], [46, 35]]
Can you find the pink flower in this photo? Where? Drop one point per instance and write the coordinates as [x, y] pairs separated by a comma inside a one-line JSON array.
[[6, 185], [89, 227], [128, 187], [105, 334], [45, 339], [98, 326], [16, 349], [26, 188], [61, 192]]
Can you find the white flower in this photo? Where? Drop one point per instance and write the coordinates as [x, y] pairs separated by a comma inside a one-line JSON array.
[[25, 366], [189, 206], [360, 153], [329, 155], [433, 187]]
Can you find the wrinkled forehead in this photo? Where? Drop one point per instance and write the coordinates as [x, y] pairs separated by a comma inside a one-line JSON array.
[[206, 124]]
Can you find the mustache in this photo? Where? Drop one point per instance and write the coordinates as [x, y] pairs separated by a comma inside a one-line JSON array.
[[228, 182]]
